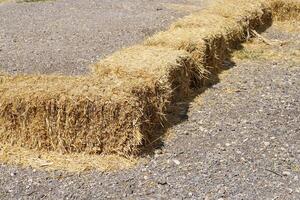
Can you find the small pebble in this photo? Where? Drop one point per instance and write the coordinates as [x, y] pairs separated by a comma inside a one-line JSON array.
[[13, 174], [177, 162], [266, 143], [286, 173]]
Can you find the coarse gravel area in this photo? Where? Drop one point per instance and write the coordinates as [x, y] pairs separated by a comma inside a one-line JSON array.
[[66, 36], [241, 140]]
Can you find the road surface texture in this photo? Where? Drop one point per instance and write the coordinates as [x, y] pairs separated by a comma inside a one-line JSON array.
[[241, 140], [66, 36]]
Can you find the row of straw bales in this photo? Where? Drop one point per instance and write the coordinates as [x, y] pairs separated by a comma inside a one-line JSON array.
[[107, 113], [123, 102]]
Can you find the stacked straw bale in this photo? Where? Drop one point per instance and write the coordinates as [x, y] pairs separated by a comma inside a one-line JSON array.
[[111, 113], [119, 107], [209, 35]]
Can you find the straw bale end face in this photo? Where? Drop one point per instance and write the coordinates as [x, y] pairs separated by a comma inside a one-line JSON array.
[[69, 115]]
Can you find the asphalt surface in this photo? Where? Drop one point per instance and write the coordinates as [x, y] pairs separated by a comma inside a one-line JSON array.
[[241, 140], [66, 36]]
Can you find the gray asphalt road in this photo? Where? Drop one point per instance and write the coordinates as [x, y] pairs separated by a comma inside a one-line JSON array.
[[65, 36], [241, 141]]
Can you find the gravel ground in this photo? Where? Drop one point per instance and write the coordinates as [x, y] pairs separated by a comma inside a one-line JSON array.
[[65, 36], [241, 141]]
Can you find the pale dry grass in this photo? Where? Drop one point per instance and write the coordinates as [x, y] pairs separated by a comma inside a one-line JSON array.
[[259, 51], [74, 162], [290, 26]]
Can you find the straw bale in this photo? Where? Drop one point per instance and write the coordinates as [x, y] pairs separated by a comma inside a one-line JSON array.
[[155, 64], [225, 13], [209, 35], [249, 13], [285, 9], [69, 114], [205, 46], [167, 72], [105, 113], [205, 18]]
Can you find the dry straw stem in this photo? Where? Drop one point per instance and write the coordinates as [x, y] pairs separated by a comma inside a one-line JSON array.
[[111, 112]]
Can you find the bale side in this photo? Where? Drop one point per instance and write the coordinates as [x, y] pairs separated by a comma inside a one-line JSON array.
[[166, 67], [70, 115]]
